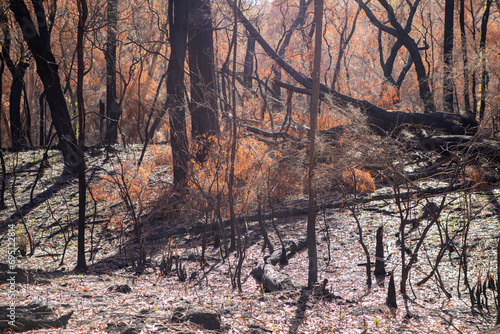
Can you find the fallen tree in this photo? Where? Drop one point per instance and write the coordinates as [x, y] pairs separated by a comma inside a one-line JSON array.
[[382, 121]]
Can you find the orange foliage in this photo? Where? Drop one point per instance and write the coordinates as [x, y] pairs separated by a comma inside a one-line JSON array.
[[359, 180], [260, 172]]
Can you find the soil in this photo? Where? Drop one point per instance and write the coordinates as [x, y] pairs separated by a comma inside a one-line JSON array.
[[116, 295]]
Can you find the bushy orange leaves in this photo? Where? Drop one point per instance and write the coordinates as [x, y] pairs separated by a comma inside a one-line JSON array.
[[131, 184], [389, 97], [260, 172], [359, 180]]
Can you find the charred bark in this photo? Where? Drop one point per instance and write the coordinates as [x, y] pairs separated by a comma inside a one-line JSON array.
[[448, 84], [482, 50], [203, 104], [465, 59], [47, 69], [248, 65], [112, 109], [17, 70], [176, 90]]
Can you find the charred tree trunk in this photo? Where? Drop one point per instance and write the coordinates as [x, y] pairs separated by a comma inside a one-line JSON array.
[[448, 84], [47, 68], [112, 110], [465, 59], [248, 65], [176, 91], [82, 182], [312, 251], [203, 104], [17, 70], [379, 253], [482, 56]]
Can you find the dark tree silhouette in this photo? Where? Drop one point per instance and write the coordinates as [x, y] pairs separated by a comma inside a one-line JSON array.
[[410, 44], [112, 109], [176, 90], [17, 70], [203, 103], [448, 84], [47, 69]]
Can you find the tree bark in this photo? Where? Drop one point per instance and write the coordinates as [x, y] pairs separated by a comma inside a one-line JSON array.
[[82, 184], [47, 69], [17, 70], [176, 90], [112, 109], [203, 104], [482, 59], [313, 124], [448, 82], [465, 59], [248, 65]]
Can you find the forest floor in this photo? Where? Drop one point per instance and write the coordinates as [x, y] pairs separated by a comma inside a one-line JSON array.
[[99, 307]]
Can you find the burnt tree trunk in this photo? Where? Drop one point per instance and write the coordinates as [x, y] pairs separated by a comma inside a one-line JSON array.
[[47, 68], [312, 251], [482, 55], [82, 182], [176, 90], [203, 104], [465, 59], [112, 110], [379, 253], [17, 70], [448, 80], [248, 65]]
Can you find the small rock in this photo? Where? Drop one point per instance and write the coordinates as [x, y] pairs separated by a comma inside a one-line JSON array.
[[123, 288], [205, 316]]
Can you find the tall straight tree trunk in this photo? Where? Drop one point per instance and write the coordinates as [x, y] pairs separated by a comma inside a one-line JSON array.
[[203, 104], [82, 184], [176, 90], [465, 59], [312, 251], [47, 68], [112, 110], [16, 92], [448, 82], [482, 57]]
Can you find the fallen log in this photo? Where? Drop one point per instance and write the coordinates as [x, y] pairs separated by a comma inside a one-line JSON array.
[[386, 122], [474, 147], [274, 280]]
